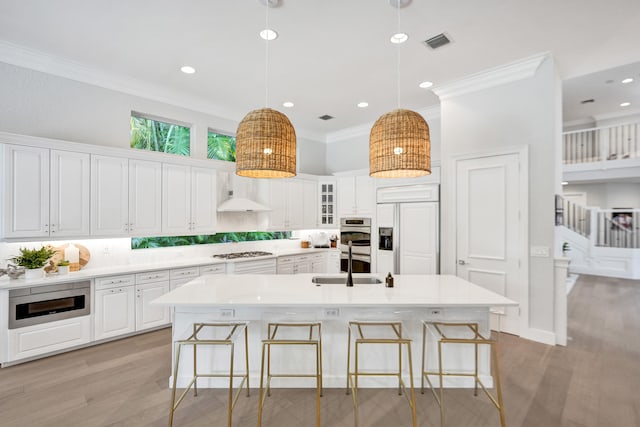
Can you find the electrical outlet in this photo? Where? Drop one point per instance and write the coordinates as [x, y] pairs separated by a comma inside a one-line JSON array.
[[227, 313], [331, 312], [435, 313], [540, 251]]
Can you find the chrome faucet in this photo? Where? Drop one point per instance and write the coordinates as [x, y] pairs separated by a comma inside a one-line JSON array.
[[349, 267]]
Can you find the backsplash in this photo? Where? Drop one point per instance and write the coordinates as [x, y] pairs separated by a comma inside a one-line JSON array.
[[107, 252]]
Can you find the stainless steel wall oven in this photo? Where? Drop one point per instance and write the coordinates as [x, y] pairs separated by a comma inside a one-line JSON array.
[[358, 232], [42, 304]]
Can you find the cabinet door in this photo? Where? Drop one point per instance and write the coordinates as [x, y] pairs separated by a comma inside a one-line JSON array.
[[318, 263], [147, 315], [303, 265], [346, 196], [295, 205], [26, 191], [204, 203], [69, 202], [114, 312], [310, 204], [278, 205], [109, 196], [145, 198], [333, 262], [327, 204], [176, 199], [365, 195]]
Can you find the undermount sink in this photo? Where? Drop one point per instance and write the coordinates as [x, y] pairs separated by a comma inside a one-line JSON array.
[[342, 280]]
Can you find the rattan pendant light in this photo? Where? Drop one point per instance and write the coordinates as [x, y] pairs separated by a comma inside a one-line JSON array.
[[399, 144], [265, 139]]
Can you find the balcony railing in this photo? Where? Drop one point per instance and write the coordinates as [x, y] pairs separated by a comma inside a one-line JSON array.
[[602, 144], [575, 217]]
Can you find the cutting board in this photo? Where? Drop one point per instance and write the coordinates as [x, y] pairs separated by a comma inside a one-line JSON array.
[[85, 255]]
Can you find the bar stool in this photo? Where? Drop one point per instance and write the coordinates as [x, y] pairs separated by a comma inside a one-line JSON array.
[[460, 333], [298, 333], [232, 332], [378, 332]]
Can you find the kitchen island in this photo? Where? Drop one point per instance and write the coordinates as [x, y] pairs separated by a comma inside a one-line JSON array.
[[260, 298]]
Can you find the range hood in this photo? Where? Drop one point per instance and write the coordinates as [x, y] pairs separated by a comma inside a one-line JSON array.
[[241, 204]]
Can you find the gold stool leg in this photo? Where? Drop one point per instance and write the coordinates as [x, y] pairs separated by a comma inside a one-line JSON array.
[[494, 357], [175, 382], [441, 385], [413, 395], [246, 356], [261, 399], [318, 383], [320, 353]]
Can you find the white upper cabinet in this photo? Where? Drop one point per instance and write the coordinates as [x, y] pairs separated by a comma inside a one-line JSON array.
[[356, 196], [109, 196], [204, 201], [310, 204], [145, 198], [46, 192], [26, 191], [286, 203], [69, 199], [189, 200], [326, 203]]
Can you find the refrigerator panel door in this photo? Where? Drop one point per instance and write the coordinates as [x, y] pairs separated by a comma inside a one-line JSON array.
[[419, 238], [385, 259]]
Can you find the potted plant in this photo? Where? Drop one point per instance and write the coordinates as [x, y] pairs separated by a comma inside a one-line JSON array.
[[34, 260], [63, 267]]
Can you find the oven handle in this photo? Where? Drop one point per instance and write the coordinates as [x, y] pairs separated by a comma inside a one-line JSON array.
[[349, 229], [49, 296], [356, 257]]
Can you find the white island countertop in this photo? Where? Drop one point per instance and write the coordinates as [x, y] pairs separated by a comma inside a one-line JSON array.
[[298, 290]]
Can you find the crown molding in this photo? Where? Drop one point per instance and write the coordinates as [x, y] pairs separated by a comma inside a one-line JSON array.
[[617, 115], [579, 122], [430, 113], [518, 70]]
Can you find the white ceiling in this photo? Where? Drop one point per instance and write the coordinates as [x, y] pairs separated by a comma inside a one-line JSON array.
[[330, 55]]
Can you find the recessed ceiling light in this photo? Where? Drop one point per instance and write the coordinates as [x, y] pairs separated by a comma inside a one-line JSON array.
[[363, 104], [565, 183], [399, 38], [268, 34], [627, 80], [426, 84], [625, 104], [287, 104], [187, 69]]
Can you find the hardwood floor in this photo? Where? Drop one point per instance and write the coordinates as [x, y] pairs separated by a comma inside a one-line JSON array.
[[592, 382]]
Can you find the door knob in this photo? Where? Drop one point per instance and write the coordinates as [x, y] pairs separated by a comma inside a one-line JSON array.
[[462, 262]]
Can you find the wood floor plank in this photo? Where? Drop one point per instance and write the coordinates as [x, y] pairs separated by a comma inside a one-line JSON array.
[[590, 383]]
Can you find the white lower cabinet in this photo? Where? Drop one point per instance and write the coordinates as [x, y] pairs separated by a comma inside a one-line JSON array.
[[297, 264], [45, 338], [147, 315], [333, 262], [115, 312], [318, 263]]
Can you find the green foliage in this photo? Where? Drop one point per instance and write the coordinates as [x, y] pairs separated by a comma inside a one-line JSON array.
[[63, 263], [153, 135], [164, 242], [34, 258], [221, 147]]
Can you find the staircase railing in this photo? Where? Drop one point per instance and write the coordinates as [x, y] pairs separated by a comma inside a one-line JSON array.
[[602, 144], [618, 228], [575, 217]]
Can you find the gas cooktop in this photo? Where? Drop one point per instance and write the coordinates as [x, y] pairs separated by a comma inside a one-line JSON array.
[[250, 254]]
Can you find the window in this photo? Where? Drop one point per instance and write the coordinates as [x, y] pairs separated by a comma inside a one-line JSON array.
[[164, 242], [221, 147], [155, 135]]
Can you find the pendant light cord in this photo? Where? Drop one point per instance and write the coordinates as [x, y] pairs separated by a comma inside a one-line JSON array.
[[266, 59], [398, 55]]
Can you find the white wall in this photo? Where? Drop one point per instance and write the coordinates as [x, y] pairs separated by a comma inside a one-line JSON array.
[[40, 104], [353, 153], [521, 113], [608, 195]]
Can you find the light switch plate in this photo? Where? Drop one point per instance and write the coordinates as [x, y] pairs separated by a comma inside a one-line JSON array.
[[540, 251]]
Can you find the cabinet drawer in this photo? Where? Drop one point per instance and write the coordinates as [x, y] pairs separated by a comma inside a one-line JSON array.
[[181, 273], [152, 276], [115, 281], [213, 269]]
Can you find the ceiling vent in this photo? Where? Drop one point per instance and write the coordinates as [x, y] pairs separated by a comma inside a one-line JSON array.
[[437, 41], [325, 117], [587, 101]]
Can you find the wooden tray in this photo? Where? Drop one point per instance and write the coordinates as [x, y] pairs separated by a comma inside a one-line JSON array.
[[85, 255]]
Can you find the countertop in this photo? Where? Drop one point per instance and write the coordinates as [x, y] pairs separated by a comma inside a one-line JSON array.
[[90, 273], [298, 290]]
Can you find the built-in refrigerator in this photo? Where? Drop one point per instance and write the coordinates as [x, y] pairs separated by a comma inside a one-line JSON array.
[[408, 223]]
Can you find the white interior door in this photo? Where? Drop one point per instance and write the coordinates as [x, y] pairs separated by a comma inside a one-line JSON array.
[[419, 238], [487, 222]]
